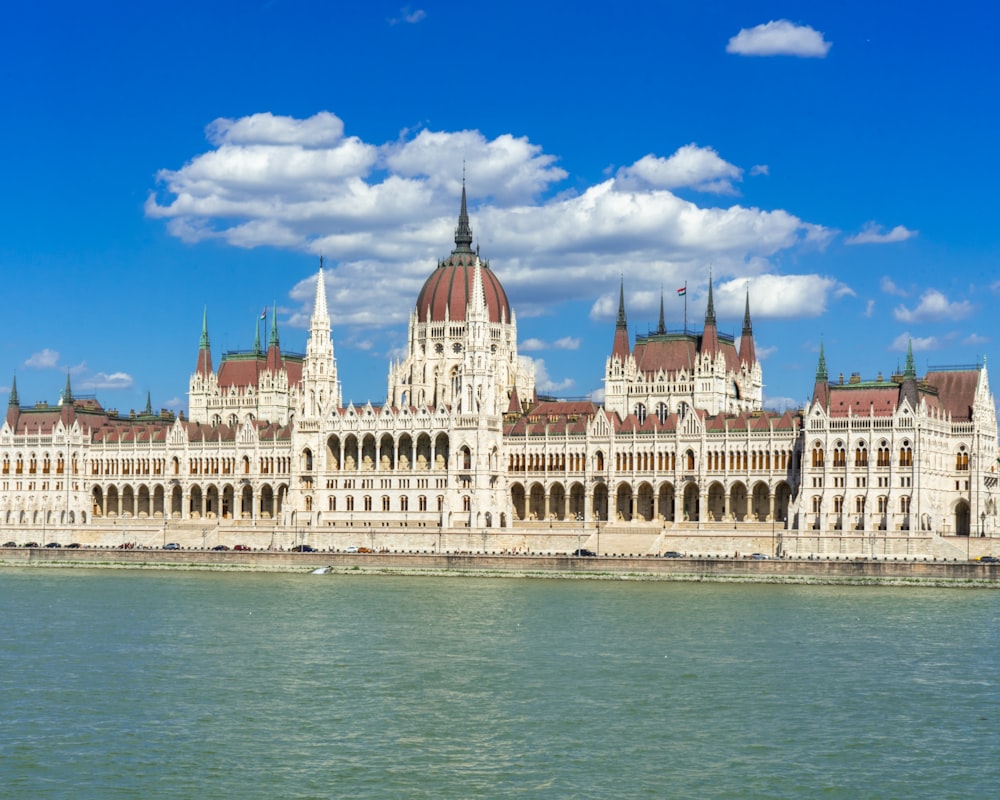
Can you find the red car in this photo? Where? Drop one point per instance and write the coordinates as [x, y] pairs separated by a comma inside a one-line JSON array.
[[241, 547]]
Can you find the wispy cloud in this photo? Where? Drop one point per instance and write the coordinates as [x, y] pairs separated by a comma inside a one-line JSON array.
[[888, 285], [408, 16], [43, 359], [101, 380], [544, 383], [934, 307], [779, 38], [904, 340], [565, 343], [873, 233]]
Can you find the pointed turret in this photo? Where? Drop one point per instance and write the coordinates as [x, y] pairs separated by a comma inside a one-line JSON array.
[[321, 389], [256, 338], [908, 388], [620, 346], [274, 362], [748, 353], [149, 404], [66, 412], [662, 327], [13, 405], [821, 388], [204, 367], [710, 336], [463, 233]]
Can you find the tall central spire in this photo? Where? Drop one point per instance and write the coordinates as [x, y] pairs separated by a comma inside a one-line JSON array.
[[463, 233]]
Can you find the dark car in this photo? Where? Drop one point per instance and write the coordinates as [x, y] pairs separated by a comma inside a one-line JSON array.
[[53, 544], [221, 547], [989, 560], [10, 544], [241, 547], [171, 546], [584, 553], [74, 545], [673, 554], [303, 548], [30, 544]]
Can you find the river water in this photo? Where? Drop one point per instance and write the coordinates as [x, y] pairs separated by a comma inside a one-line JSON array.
[[139, 684]]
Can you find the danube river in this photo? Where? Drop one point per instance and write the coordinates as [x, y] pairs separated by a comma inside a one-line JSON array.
[[140, 684]]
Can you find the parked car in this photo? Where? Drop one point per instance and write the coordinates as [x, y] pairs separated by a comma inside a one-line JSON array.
[[73, 545], [241, 547], [53, 544], [585, 553], [365, 550], [989, 560], [10, 544], [303, 548], [221, 547], [351, 549], [30, 544], [673, 554], [171, 546], [759, 557]]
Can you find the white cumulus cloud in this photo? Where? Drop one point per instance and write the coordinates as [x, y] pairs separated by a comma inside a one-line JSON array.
[[102, 380], [779, 38], [43, 359], [873, 233], [384, 213], [902, 342], [545, 384], [934, 307], [691, 166]]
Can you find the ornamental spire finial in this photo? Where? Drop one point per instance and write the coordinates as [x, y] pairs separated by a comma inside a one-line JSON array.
[[463, 233]]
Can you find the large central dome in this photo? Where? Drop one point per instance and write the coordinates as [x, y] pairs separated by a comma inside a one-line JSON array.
[[447, 290]]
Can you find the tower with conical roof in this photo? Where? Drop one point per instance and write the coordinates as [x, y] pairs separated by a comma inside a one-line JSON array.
[[321, 391]]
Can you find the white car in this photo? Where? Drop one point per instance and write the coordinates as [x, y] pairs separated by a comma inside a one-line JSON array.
[[351, 549]]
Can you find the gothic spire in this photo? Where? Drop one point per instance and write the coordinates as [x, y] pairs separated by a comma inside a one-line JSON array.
[[710, 335], [149, 404], [256, 337], [910, 371], [821, 373], [463, 233], [12, 401], [204, 366], [821, 388], [662, 327], [620, 346], [67, 399], [273, 339], [748, 353]]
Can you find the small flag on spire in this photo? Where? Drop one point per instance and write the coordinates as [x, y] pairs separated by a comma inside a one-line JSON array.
[[263, 314], [682, 291]]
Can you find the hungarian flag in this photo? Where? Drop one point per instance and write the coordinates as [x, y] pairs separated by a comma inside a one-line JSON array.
[[682, 291], [263, 314]]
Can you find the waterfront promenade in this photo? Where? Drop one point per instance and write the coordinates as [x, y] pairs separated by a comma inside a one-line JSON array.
[[857, 571]]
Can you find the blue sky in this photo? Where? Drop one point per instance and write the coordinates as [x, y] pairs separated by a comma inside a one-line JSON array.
[[838, 160]]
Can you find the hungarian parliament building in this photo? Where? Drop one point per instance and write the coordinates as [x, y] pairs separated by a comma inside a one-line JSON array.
[[463, 442]]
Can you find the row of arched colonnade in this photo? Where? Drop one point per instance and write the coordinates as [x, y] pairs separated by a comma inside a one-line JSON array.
[[212, 501], [646, 501]]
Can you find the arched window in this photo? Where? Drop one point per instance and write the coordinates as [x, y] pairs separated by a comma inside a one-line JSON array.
[[640, 412], [817, 455], [861, 455], [661, 412], [905, 455]]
